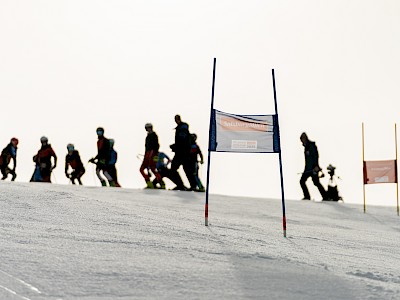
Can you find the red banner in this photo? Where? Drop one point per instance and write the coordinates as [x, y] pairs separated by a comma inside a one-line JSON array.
[[380, 171]]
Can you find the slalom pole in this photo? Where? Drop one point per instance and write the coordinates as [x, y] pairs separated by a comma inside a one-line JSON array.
[[209, 144], [364, 170], [280, 158], [397, 180]]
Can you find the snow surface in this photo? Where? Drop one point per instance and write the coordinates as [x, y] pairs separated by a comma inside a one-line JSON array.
[[71, 242]]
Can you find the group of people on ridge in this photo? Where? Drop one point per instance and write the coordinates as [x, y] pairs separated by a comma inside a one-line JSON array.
[[154, 163], [186, 155], [46, 161]]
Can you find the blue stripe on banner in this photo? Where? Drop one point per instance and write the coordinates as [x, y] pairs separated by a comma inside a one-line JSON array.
[[277, 139], [213, 132]]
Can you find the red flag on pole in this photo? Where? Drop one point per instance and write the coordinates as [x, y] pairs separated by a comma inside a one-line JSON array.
[[380, 171]]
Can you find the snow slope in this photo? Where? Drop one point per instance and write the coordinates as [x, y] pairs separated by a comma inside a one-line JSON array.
[[71, 242]]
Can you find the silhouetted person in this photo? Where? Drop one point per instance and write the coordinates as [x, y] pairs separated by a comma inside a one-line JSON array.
[[195, 152], [311, 168], [112, 170], [182, 148], [164, 171], [44, 166], [102, 158], [73, 160], [9, 153], [150, 156]]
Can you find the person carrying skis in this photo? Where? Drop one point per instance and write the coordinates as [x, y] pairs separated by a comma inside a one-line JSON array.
[[311, 168], [42, 159], [194, 152], [73, 160], [182, 148], [9, 153], [102, 158], [112, 170], [150, 156]]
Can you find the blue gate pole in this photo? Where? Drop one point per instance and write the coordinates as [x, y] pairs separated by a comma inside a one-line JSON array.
[[280, 158], [209, 144]]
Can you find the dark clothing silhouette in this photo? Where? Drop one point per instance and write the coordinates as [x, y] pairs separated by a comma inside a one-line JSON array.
[[151, 142], [195, 151], [311, 156], [112, 170], [311, 169], [9, 153], [150, 158], [43, 164], [74, 161], [182, 138], [103, 151], [182, 149], [164, 171]]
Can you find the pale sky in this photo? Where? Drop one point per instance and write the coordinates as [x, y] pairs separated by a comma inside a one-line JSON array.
[[68, 67]]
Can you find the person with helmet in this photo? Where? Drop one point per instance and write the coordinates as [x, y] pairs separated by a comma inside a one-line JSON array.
[[9, 153], [182, 148], [195, 152], [73, 160], [150, 156], [112, 170], [102, 158], [42, 159]]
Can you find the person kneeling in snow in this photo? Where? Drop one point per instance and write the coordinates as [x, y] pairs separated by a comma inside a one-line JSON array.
[[162, 167]]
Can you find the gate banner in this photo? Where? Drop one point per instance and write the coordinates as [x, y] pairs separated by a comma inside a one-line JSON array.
[[380, 171], [244, 133]]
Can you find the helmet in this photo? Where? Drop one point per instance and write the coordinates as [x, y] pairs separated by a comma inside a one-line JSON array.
[[100, 130], [14, 140], [148, 125], [44, 139], [70, 147], [112, 141], [194, 136]]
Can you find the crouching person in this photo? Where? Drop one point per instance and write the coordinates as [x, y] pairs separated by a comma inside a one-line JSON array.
[[162, 167], [9, 153], [73, 160]]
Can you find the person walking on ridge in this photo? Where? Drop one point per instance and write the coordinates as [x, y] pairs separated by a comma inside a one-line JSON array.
[[112, 170], [195, 152], [311, 168], [102, 158], [182, 149], [150, 157]]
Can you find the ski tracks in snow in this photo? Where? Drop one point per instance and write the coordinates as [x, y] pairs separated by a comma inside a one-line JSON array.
[[24, 283]]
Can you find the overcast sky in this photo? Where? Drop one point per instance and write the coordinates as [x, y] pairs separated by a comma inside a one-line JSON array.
[[68, 67]]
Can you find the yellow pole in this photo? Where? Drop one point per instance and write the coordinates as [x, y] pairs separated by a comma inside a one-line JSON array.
[[397, 180], [365, 208]]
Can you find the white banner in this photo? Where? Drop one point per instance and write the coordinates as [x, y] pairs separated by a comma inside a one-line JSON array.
[[244, 133]]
